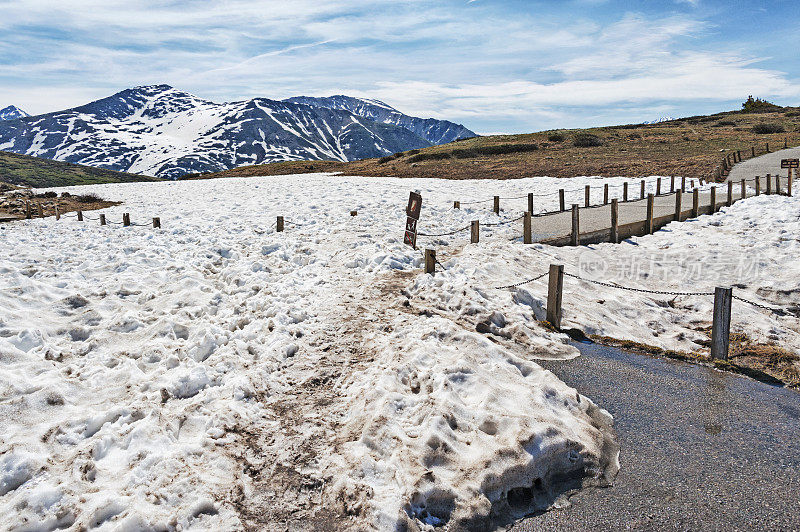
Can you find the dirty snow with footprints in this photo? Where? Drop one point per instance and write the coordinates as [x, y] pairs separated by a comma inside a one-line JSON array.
[[217, 374]]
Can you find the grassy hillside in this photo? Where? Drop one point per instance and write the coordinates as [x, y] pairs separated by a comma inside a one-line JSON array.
[[36, 172], [691, 147]]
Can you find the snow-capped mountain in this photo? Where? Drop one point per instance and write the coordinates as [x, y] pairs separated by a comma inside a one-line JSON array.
[[659, 120], [432, 130], [11, 112], [158, 130]]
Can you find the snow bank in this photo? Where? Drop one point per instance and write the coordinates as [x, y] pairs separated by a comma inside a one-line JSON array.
[[215, 374]]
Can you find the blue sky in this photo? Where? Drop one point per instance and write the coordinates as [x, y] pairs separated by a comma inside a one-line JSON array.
[[495, 66]]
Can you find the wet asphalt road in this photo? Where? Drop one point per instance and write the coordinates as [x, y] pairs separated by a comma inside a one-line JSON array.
[[701, 449]]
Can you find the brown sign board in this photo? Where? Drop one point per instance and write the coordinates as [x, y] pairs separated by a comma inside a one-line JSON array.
[[790, 163], [413, 210], [414, 205]]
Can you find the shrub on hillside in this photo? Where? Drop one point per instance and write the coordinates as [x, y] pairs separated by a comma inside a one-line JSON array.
[[758, 105], [88, 198], [586, 140], [768, 129], [384, 160], [555, 137], [436, 156], [48, 194]]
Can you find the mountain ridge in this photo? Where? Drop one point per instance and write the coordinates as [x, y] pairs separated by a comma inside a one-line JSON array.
[[12, 112], [162, 131]]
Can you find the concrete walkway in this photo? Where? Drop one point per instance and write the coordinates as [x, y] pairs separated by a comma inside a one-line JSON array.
[[700, 449], [763, 165]]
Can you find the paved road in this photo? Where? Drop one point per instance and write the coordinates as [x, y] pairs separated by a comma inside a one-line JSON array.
[[763, 165], [700, 449]]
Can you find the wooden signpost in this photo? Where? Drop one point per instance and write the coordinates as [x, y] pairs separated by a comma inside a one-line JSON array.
[[412, 211], [790, 164]]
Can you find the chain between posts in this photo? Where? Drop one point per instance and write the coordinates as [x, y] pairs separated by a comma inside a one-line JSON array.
[[515, 285]]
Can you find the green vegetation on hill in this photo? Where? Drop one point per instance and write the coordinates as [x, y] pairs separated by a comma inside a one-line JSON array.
[[39, 173]]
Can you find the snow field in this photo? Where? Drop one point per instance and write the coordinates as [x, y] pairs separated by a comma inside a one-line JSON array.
[[145, 375]]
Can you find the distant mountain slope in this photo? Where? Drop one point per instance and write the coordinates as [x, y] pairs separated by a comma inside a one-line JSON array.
[[158, 130], [40, 173], [11, 112], [430, 129]]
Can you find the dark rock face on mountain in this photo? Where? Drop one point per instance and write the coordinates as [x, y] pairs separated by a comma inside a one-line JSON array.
[[432, 130], [11, 112], [158, 130]]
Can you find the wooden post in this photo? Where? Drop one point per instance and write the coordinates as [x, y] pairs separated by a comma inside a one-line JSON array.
[[713, 200], [625, 191], [41, 210], [777, 184], [497, 204], [744, 189], [605, 194], [650, 202], [695, 203], [789, 185], [126, 219], [658, 186], [678, 200], [576, 226], [530, 201], [672, 184], [753, 151], [758, 186], [767, 147], [555, 288], [721, 329], [615, 221], [691, 183], [769, 184], [353, 213], [430, 261], [456, 204], [102, 219], [156, 223], [730, 193], [683, 184], [475, 231], [561, 204], [641, 196], [588, 193], [58, 214], [527, 238], [28, 210], [80, 216], [279, 224], [739, 155]]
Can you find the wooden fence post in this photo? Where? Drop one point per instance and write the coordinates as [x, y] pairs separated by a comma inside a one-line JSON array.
[[615, 221], [730, 193], [475, 231], [691, 183], [576, 226], [758, 185], [713, 200], [530, 201], [156, 223], [456, 204], [555, 288], [587, 194], [279, 224], [672, 184], [678, 200], [641, 195], [497, 204], [625, 191], [744, 189], [605, 194], [353, 213], [789, 185], [650, 228], [58, 214], [126, 219], [658, 186], [721, 329], [767, 147], [683, 184], [28, 210], [41, 210], [769, 184], [430, 261], [102, 219], [753, 151], [778, 185], [527, 238], [696, 203], [80, 216], [739, 155], [561, 203]]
